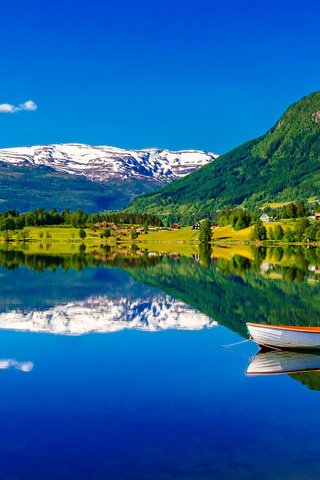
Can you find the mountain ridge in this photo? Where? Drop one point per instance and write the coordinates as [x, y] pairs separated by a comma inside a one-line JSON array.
[[100, 163], [94, 177]]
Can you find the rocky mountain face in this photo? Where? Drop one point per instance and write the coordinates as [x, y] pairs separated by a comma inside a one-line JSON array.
[[100, 164], [87, 176]]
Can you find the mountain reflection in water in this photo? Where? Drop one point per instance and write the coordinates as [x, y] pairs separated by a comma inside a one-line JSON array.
[[135, 405], [102, 314], [111, 291]]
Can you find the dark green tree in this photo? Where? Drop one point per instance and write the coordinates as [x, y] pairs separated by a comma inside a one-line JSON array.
[[240, 219], [301, 209], [290, 211], [301, 226], [106, 233], [205, 231], [278, 232], [259, 232], [82, 248], [289, 236], [133, 233], [24, 235], [82, 233], [271, 234], [7, 223], [224, 217], [145, 227], [205, 254]]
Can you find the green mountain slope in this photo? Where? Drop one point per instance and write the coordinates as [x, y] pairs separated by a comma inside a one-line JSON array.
[[27, 188], [282, 165]]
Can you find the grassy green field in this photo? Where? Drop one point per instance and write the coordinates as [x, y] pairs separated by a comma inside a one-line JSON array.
[[67, 240], [185, 240], [56, 239], [183, 235], [227, 233], [274, 205], [61, 241]]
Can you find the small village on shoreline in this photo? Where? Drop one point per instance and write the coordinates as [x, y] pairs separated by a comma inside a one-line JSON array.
[[290, 223]]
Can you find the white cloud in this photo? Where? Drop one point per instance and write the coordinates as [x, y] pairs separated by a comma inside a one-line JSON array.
[[28, 106], [7, 108]]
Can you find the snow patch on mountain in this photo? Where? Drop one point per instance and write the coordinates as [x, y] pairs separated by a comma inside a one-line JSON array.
[[102, 163], [101, 314]]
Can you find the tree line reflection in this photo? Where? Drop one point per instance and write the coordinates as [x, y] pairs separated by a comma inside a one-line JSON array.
[[300, 262], [13, 259]]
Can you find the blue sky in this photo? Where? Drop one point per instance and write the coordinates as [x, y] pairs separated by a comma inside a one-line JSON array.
[[177, 74]]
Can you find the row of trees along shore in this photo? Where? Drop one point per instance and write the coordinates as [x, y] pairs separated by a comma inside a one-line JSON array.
[[239, 218], [303, 231], [13, 220]]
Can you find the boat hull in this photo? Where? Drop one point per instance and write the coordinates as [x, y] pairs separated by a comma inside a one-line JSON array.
[[285, 337]]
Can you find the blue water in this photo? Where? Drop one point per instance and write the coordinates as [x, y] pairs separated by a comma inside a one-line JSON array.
[[150, 405], [136, 404]]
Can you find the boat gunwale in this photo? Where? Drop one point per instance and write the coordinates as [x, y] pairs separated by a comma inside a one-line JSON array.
[[290, 328]]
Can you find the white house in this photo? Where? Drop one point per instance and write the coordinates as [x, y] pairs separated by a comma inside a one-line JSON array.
[[265, 218], [316, 216]]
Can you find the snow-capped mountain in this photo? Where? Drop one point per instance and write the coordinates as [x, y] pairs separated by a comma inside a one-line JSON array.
[[101, 314], [102, 163]]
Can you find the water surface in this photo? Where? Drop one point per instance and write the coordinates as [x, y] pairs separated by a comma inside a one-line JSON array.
[[114, 368]]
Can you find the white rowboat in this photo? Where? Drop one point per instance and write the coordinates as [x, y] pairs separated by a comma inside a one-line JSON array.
[[291, 337]]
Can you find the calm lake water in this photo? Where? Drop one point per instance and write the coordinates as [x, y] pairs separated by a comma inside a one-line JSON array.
[[112, 367]]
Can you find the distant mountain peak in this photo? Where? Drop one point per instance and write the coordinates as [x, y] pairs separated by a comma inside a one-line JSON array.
[[102, 163], [91, 177]]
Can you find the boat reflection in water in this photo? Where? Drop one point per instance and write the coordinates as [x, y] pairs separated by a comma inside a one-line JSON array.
[[283, 361], [301, 366]]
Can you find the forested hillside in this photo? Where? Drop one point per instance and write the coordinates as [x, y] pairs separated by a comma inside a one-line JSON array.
[[282, 165]]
